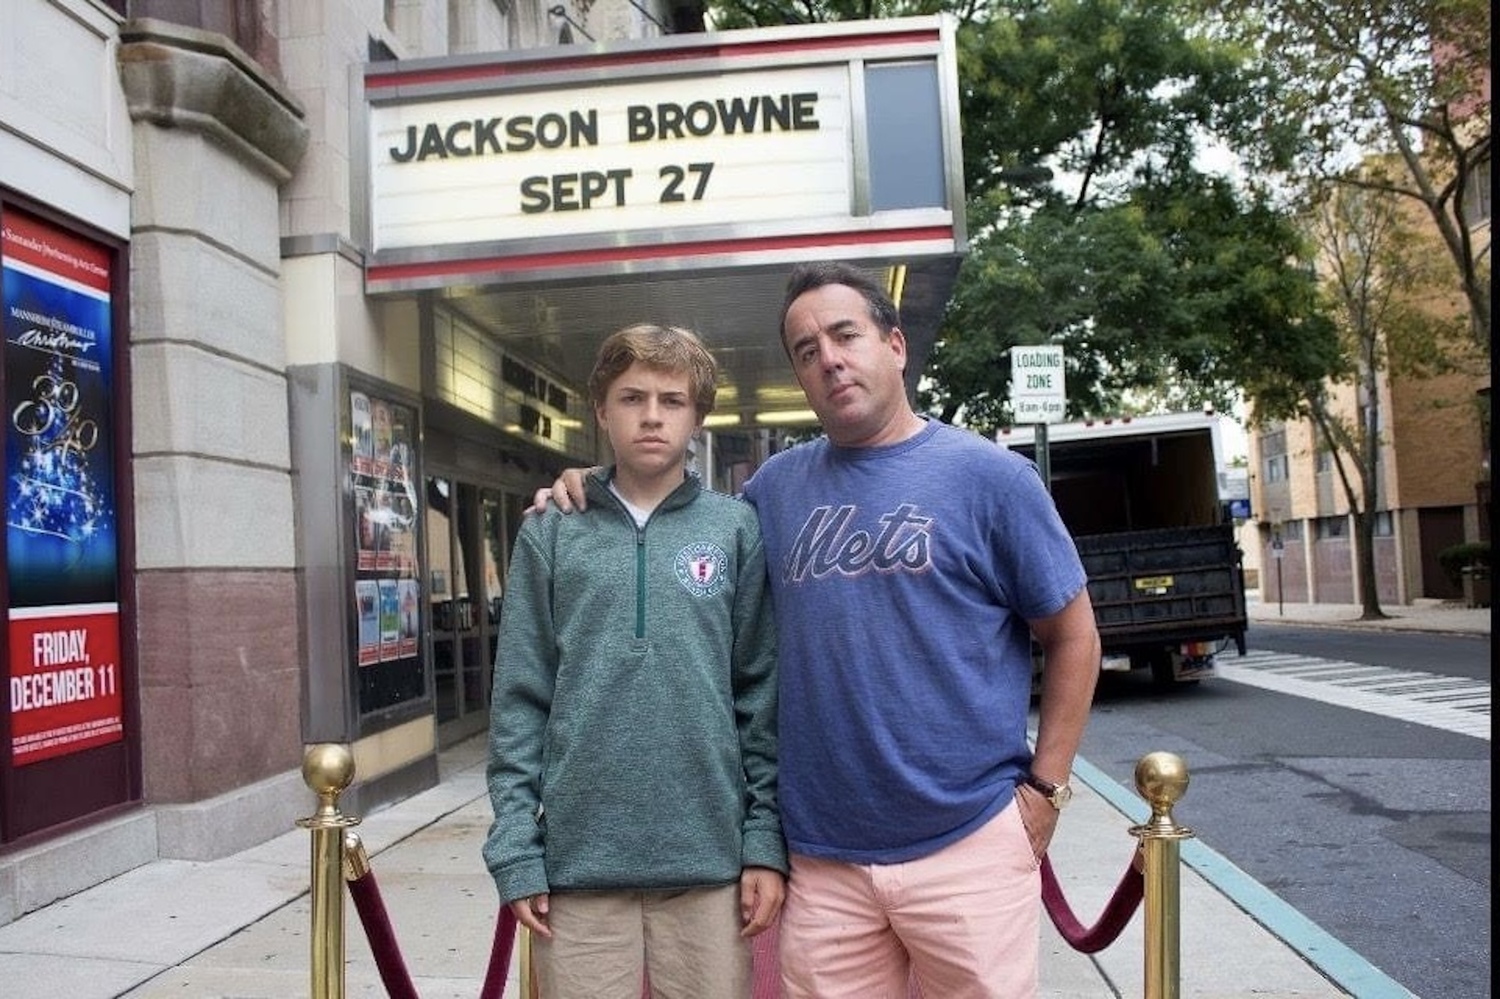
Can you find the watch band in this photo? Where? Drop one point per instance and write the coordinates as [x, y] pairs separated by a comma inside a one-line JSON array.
[[1057, 795]]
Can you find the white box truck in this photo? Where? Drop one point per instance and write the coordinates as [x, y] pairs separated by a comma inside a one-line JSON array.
[[1141, 497]]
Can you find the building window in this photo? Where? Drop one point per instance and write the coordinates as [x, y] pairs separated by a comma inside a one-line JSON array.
[[1477, 196], [1385, 524], [1331, 527], [1291, 530], [1274, 460], [1483, 396], [1324, 461]]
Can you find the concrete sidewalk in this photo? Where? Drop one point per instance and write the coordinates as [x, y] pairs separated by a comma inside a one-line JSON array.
[[1424, 615], [240, 927]]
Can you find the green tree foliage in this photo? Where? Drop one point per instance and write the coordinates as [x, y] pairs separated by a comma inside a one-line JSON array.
[[1406, 78], [1091, 223], [1157, 276], [1181, 285]]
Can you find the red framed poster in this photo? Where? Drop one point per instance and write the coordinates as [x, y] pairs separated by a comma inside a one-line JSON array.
[[61, 525]]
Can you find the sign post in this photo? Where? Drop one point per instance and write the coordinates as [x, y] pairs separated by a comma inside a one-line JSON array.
[[1037, 395], [1278, 552]]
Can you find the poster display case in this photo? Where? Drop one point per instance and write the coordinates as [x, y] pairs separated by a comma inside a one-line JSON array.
[[386, 598], [357, 448]]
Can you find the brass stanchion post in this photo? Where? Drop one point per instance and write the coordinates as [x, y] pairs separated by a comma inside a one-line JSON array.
[[527, 983], [327, 768], [1162, 779]]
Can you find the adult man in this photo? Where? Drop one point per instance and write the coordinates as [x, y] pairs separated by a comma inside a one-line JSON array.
[[911, 564]]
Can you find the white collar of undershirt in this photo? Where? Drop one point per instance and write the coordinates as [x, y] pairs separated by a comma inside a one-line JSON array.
[[639, 514]]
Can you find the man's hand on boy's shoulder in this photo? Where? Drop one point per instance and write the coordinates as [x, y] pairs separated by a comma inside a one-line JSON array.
[[567, 492], [539, 501]]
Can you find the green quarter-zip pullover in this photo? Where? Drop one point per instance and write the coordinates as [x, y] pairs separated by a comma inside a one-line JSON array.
[[632, 731]]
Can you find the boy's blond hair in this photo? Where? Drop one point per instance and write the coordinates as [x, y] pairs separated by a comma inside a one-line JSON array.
[[663, 348]]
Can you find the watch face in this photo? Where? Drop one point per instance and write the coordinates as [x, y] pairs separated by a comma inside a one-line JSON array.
[[1062, 795]]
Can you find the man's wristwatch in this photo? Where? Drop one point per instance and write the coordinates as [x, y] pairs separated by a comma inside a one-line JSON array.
[[1057, 795]]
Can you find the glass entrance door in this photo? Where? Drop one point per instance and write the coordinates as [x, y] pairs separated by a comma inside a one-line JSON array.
[[469, 534], [502, 519], [455, 599]]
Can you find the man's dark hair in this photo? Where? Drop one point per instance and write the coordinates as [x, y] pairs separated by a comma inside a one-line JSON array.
[[806, 277]]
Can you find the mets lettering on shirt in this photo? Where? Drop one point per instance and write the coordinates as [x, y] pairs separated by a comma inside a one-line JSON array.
[[830, 542]]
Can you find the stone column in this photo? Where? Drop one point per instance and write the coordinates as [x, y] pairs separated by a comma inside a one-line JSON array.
[[219, 649]]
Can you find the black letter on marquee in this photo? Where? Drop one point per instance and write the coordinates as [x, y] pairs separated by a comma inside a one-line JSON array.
[[451, 139], [804, 107], [432, 143], [404, 155], [534, 195], [485, 139], [638, 118]]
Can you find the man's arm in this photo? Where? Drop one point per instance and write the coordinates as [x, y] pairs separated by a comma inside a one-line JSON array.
[[1070, 670], [567, 492]]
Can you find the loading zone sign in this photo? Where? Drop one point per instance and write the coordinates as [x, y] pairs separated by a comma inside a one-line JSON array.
[[1036, 384]]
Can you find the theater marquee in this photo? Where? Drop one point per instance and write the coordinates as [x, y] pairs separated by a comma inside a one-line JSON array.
[[692, 151]]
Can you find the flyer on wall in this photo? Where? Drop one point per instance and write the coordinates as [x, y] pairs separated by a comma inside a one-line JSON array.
[[62, 554], [385, 524]]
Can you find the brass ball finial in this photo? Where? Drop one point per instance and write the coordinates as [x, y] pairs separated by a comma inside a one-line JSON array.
[[328, 768], [1162, 779]]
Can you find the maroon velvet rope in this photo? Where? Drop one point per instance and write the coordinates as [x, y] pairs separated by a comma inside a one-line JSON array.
[[367, 902], [505, 938], [398, 984], [1117, 912], [365, 891]]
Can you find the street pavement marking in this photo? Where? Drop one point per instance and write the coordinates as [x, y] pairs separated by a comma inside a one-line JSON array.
[[1453, 704]]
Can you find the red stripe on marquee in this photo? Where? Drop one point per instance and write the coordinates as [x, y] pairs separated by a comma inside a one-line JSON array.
[[619, 254]]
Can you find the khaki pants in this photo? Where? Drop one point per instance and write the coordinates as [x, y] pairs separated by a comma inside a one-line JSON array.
[[603, 943]]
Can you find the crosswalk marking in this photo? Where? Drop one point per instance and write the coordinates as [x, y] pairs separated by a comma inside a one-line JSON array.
[[1453, 704]]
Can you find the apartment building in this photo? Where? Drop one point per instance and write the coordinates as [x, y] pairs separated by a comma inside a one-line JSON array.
[[1433, 487]]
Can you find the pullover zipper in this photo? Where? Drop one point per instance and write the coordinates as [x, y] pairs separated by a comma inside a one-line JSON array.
[[640, 557], [640, 561], [640, 579]]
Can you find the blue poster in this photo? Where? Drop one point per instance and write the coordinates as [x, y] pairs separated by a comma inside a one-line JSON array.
[[60, 503]]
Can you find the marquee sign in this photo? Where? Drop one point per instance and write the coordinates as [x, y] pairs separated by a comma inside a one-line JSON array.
[[625, 157], [690, 151]]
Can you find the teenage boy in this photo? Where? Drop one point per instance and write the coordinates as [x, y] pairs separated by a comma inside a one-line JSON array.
[[633, 720]]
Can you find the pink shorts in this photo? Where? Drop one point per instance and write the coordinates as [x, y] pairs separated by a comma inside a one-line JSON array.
[[964, 923]]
